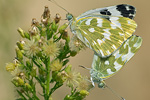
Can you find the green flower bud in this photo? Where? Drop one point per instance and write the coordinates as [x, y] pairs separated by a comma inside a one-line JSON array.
[[20, 45], [10, 67], [28, 86], [67, 97], [43, 31], [41, 72], [54, 26], [33, 72], [28, 64], [73, 53], [21, 32], [59, 76], [65, 35], [68, 68], [17, 81], [19, 54], [55, 37], [63, 27], [84, 93], [27, 35], [50, 98]]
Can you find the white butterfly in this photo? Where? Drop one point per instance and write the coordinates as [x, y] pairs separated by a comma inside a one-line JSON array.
[[104, 29]]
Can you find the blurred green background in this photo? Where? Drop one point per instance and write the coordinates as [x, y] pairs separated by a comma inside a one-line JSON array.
[[132, 82]]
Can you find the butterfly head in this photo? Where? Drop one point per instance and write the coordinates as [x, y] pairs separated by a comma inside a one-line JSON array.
[[69, 16], [102, 84]]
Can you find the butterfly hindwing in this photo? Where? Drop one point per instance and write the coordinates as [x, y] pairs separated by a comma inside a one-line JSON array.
[[122, 10], [106, 67]]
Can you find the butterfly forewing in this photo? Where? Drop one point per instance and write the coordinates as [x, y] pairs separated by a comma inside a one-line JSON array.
[[106, 67], [127, 25], [122, 10], [102, 35]]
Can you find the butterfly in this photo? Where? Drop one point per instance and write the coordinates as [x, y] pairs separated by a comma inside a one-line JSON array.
[[104, 29], [103, 68]]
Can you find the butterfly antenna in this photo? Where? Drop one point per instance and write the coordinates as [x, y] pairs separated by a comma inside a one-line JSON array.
[[53, 1], [84, 67], [121, 98]]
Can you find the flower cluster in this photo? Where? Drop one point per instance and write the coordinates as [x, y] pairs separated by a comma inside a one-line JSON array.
[[42, 56]]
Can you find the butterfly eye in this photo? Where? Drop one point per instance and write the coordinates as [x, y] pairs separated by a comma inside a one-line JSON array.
[[69, 16]]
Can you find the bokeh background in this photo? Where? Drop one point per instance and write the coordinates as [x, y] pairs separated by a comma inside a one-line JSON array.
[[132, 82]]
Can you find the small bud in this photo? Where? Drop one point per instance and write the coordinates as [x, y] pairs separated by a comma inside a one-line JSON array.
[[27, 35], [21, 32], [55, 37], [34, 22], [59, 76], [21, 75], [84, 93], [28, 86], [33, 72], [68, 68], [43, 31], [68, 97], [20, 45], [73, 53], [40, 42], [28, 64], [17, 81], [65, 35], [50, 98], [19, 54], [57, 18], [63, 27], [45, 16], [33, 30], [10, 67], [54, 26], [46, 13], [41, 72]]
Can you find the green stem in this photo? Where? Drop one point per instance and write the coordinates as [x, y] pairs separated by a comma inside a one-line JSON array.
[[47, 77], [57, 85], [22, 96], [38, 65]]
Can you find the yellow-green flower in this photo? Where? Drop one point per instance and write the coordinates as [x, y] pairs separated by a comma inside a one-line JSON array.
[[56, 65], [73, 78], [76, 45], [51, 49], [10, 67], [84, 84], [31, 48]]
